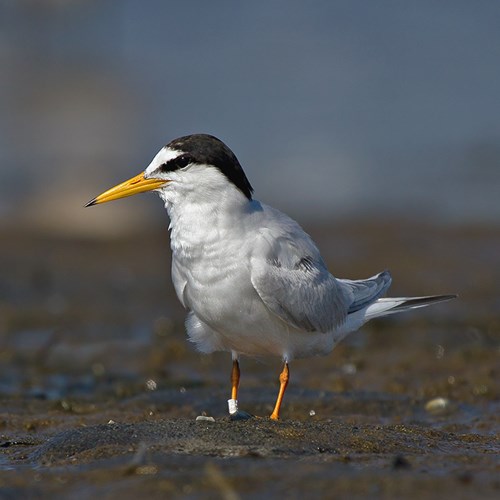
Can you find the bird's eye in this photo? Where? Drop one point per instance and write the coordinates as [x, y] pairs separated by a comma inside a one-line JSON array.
[[176, 163]]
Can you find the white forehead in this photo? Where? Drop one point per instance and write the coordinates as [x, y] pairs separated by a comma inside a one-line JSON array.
[[163, 156]]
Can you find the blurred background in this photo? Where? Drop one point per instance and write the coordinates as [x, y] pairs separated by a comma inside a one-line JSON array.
[[375, 124], [334, 108]]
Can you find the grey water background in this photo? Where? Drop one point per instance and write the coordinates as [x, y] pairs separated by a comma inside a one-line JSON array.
[[334, 108]]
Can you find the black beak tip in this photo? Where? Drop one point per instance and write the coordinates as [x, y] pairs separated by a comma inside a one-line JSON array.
[[90, 203]]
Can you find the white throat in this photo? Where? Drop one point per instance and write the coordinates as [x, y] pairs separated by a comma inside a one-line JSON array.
[[203, 206]]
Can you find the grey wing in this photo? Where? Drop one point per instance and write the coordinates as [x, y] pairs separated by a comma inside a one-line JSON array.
[[293, 282], [362, 293]]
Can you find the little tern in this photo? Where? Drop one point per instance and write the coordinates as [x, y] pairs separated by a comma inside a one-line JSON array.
[[252, 280]]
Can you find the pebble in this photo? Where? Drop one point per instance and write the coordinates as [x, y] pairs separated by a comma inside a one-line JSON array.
[[151, 385], [204, 418], [438, 405]]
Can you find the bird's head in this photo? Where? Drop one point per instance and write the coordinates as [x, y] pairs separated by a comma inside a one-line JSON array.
[[188, 164]]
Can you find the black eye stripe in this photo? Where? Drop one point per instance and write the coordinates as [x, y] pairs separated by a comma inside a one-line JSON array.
[[176, 163], [207, 150]]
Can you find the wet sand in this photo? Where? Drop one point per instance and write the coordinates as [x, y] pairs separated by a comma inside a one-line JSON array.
[[99, 389]]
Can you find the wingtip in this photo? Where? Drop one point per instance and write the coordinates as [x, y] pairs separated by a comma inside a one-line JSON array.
[[443, 298], [415, 302]]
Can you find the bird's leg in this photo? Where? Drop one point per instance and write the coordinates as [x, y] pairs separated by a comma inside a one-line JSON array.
[[234, 413], [235, 379], [284, 377]]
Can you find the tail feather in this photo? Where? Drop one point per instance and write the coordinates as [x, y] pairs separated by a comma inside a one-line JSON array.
[[386, 306]]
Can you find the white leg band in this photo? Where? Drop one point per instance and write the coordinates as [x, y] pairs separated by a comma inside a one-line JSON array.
[[233, 406]]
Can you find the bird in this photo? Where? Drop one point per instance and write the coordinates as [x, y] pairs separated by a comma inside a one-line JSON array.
[[252, 280]]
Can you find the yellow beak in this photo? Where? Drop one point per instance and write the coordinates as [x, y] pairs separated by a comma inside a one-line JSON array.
[[137, 184]]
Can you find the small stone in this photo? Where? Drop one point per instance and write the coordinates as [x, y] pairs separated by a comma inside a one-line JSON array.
[[204, 418], [66, 405], [439, 352], [151, 385], [438, 406], [312, 413], [349, 369]]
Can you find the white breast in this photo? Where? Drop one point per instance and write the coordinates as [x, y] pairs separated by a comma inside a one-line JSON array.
[[212, 241]]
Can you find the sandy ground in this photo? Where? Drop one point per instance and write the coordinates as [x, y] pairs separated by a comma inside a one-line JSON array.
[[99, 390]]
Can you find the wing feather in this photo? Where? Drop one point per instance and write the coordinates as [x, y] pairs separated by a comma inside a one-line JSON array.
[[293, 282], [365, 292]]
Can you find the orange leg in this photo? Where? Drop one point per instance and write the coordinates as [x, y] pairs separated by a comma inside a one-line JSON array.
[[284, 377], [234, 413], [235, 379]]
